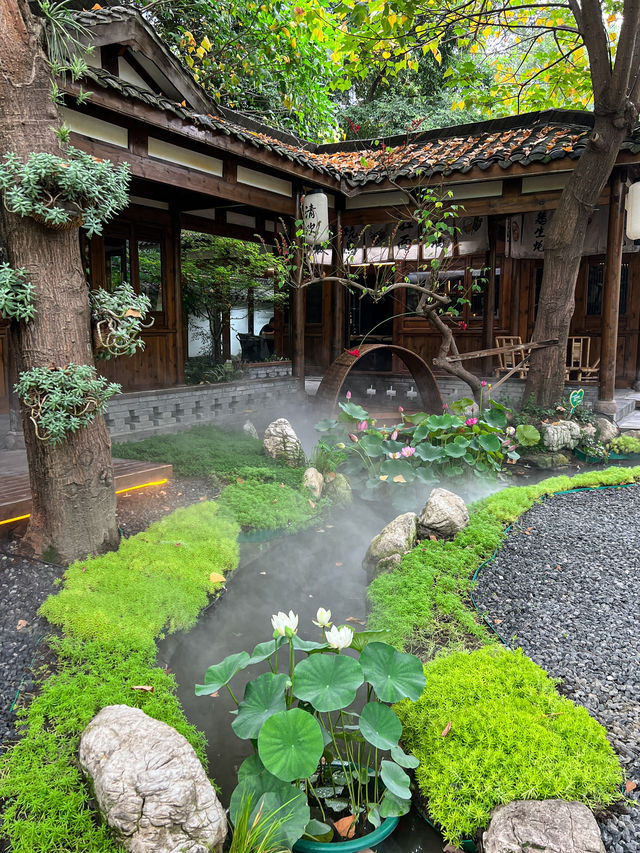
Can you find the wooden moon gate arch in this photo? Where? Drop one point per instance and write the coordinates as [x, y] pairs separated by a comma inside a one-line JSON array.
[[425, 381]]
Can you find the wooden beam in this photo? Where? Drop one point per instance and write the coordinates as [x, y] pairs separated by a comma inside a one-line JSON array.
[[163, 172], [489, 302], [611, 292], [298, 315], [256, 155], [483, 353], [204, 225]]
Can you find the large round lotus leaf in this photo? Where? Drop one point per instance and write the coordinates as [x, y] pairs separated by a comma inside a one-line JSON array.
[[328, 682], [222, 673], [395, 779], [393, 675], [290, 744], [263, 697], [380, 726]]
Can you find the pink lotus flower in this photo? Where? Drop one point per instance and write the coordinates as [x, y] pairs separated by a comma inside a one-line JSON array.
[[353, 437], [471, 421], [394, 456], [362, 425], [400, 409], [483, 384], [348, 395], [408, 451], [394, 435], [444, 407]]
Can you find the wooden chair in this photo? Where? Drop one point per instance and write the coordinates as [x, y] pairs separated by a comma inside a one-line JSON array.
[[579, 359], [508, 360]]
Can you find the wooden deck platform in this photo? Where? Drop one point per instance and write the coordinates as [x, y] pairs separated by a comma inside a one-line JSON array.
[[15, 494]]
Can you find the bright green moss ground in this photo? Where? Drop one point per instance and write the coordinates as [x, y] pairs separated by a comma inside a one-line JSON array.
[[110, 610], [511, 737]]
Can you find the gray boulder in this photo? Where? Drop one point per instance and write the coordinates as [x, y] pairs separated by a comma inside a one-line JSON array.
[[546, 826], [281, 442], [150, 785], [561, 435], [606, 429], [386, 549], [444, 515], [314, 481], [338, 489], [250, 429], [546, 461], [588, 431]]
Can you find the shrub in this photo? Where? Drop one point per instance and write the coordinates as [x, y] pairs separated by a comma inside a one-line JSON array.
[[110, 610], [511, 737]]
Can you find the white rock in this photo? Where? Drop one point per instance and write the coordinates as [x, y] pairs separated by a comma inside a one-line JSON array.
[[444, 515], [250, 429], [561, 435], [150, 785], [386, 549], [314, 481], [546, 826], [281, 442], [606, 429], [588, 430]]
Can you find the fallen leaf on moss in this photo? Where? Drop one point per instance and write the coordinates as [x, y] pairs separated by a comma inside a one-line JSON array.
[[311, 504], [345, 827], [445, 731], [216, 577], [144, 688]]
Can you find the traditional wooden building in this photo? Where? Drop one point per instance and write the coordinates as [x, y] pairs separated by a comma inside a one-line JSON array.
[[198, 166]]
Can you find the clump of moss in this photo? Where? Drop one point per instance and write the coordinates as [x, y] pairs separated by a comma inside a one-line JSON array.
[[110, 610], [257, 505], [428, 595], [510, 737]]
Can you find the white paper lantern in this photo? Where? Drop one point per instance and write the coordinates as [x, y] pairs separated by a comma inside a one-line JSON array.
[[633, 212], [315, 213]]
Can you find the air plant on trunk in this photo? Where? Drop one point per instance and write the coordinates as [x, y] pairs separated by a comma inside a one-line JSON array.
[[117, 320]]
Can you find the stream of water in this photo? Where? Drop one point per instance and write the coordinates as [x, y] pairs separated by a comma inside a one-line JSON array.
[[320, 567]]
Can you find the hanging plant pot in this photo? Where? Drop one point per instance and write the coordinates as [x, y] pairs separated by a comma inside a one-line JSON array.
[[73, 211], [306, 845]]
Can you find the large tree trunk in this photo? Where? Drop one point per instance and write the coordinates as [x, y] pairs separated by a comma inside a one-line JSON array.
[[71, 484], [563, 252]]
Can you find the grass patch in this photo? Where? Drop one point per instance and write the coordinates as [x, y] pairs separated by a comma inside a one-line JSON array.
[[429, 593], [263, 502], [111, 609], [512, 737], [205, 450]]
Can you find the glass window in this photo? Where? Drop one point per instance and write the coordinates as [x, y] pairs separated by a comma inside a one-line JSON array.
[[117, 254], [595, 283], [150, 271], [476, 308], [314, 303], [451, 283]]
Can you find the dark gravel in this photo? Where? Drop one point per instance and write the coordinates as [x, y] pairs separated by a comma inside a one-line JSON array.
[[566, 588], [25, 584]]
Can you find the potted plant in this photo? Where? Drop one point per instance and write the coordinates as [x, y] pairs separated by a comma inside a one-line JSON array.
[[64, 192], [337, 773], [117, 320]]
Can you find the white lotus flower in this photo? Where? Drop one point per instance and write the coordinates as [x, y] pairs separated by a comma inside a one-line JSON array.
[[339, 638], [281, 622], [323, 618]]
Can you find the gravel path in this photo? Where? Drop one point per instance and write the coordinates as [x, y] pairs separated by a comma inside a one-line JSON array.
[[566, 588]]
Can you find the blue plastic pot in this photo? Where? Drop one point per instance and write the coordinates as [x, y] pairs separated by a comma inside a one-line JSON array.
[[305, 845]]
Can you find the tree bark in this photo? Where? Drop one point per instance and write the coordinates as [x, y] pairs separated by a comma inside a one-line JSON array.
[[562, 256], [73, 511]]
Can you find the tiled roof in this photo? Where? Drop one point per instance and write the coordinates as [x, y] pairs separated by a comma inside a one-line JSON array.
[[539, 137]]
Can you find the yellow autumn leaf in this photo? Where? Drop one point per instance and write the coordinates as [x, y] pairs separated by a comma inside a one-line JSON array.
[[474, 48], [216, 577], [384, 477], [206, 44], [200, 51], [392, 19], [399, 479]]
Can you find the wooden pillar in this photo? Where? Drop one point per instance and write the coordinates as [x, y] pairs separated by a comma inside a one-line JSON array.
[[611, 294], [175, 281], [251, 312], [489, 304], [298, 303], [338, 294]]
